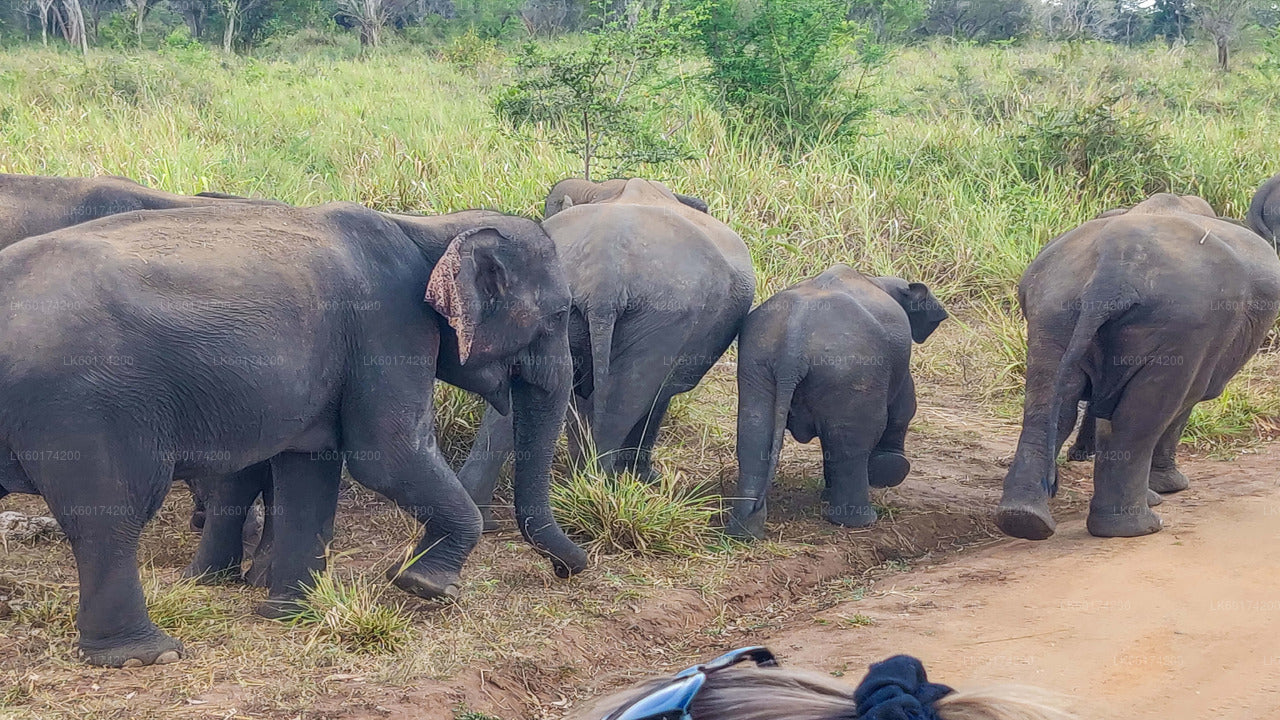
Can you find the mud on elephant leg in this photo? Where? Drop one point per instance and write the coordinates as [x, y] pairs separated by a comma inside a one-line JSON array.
[[1121, 503], [888, 465], [304, 499], [1165, 475]]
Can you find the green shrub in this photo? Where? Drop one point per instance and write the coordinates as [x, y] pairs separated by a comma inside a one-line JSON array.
[[780, 65], [1109, 149]]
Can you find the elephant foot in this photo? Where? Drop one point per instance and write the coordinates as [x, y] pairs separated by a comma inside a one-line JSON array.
[[1153, 498], [213, 576], [425, 584], [1125, 522], [748, 528], [855, 516], [887, 469], [1168, 480], [155, 648], [1029, 521], [284, 607]]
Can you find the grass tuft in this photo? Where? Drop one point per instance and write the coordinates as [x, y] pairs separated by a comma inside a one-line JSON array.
[[184, 607], [623, 514], [354, 615]]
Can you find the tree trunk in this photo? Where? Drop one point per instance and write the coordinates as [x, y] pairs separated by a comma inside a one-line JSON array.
[[1223, 54], [141, 7], [229, 33], [75, 14]]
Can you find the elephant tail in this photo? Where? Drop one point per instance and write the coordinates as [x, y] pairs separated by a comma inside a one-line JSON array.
[[1104, 297], [600, 323], [1257, 215]]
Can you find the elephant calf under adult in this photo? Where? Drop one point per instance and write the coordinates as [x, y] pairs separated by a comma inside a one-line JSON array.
[[1143, 313], [660, 289], [830, 358], [1264, 211], [201, 341]]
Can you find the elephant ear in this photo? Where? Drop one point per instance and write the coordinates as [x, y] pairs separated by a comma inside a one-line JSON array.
[[468, 277], [924, 311]]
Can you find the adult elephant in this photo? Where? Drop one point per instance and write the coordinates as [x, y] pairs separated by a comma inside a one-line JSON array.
[[33, 205], [1264, 211], [202, 341], [660, 289], [1144, 313]]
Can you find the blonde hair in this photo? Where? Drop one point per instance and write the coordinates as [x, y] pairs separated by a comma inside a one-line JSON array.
[[775, 693]]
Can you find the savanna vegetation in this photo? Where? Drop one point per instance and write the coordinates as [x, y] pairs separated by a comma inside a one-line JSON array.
[[940, 141]]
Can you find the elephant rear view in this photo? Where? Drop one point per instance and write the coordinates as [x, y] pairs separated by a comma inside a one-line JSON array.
[[830, 358], [1264, 211], [660, 289], [1144, 313]]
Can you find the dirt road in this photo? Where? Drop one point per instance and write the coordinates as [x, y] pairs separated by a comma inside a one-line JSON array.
[[1181, 624]]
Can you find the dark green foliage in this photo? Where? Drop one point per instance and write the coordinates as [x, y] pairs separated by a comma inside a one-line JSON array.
[[1111, 151], [982, 21], [603, 101], [781, 64], [1171, 19]]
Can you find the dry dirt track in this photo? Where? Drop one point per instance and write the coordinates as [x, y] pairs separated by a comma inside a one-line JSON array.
[[1181, 624]]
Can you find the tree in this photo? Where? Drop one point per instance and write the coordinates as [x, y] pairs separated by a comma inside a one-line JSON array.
[[888, 19], [603, 102], [978, 20], [74, 27], [1170, 19], [42, 9], [139, 8], [1077, 19], [195, 13], [371, 16], [233, 11], [1223, 20]]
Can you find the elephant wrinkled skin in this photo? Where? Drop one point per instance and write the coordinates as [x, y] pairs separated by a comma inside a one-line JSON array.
[[829, 357], [198, 342], [660, 289], [1143, 313], [1264, 211]]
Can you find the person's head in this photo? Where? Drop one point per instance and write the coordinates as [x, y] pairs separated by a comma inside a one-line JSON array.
[[895, 689]]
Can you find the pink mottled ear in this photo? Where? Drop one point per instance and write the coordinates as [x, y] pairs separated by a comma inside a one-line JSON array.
[[449, 298]]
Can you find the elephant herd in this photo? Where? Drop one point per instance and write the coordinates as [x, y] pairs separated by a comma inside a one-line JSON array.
[[253, 348]]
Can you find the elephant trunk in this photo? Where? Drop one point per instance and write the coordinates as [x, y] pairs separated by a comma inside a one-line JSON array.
[[540, 397]]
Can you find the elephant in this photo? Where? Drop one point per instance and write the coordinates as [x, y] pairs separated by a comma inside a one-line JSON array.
[[1144, 314], [201, 341], [34, 205], [660, 289], [829, 357], [1264, 211]]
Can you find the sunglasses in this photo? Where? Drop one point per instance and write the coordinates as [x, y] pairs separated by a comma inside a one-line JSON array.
[[671, 700]]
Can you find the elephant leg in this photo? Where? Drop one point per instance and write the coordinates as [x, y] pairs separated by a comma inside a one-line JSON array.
[[422, 484], [228, 507], [102, 501], [304, 500], [198, 513], [889, 466], [258, 574], [1165, 475], [637, 453], [494, 443], [637, 379], [1086, 443], [845, 458], [1150, 409]]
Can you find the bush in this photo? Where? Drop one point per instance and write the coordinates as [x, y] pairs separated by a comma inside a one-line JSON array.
[[780, 63], [1111, 151]]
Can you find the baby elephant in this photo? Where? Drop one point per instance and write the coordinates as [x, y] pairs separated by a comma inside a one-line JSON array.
[[830, 358]]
